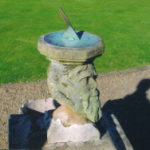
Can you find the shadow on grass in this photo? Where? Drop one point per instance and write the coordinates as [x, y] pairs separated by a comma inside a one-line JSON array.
[[133, 113]]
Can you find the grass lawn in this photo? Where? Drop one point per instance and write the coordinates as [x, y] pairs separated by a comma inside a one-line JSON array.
[[123, 24]]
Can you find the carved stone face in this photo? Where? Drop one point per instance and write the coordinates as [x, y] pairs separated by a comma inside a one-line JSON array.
[[76, 87], [84, 85], [86, 96]]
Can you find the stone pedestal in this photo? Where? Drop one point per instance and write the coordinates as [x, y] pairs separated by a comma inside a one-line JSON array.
[[72, 82]]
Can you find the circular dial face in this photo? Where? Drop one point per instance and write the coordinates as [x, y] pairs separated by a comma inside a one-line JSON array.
[[86, 40]]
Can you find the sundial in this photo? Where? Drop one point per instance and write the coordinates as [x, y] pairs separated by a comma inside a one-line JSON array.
[[70, 37], [69, 46]]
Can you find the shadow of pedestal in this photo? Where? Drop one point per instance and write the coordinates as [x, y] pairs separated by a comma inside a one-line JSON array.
[[27, 131]]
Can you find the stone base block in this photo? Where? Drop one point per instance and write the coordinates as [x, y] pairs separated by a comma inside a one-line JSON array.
[[56, 132]]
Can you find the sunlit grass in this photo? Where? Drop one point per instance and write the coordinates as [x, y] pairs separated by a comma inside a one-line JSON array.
[[124, 26]]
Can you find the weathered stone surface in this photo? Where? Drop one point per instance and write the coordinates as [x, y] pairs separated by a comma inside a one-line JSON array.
[[68, 117], [56, 132]]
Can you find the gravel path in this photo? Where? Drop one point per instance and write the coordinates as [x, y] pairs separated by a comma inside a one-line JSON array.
[[113, 86]]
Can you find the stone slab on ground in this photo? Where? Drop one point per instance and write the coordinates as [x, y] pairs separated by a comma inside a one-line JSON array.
[[28, 131]]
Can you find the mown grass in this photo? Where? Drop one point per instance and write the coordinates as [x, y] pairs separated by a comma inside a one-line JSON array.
[[124, 26]]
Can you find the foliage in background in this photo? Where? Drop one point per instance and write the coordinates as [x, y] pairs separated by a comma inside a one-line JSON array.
[[124, 26]]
